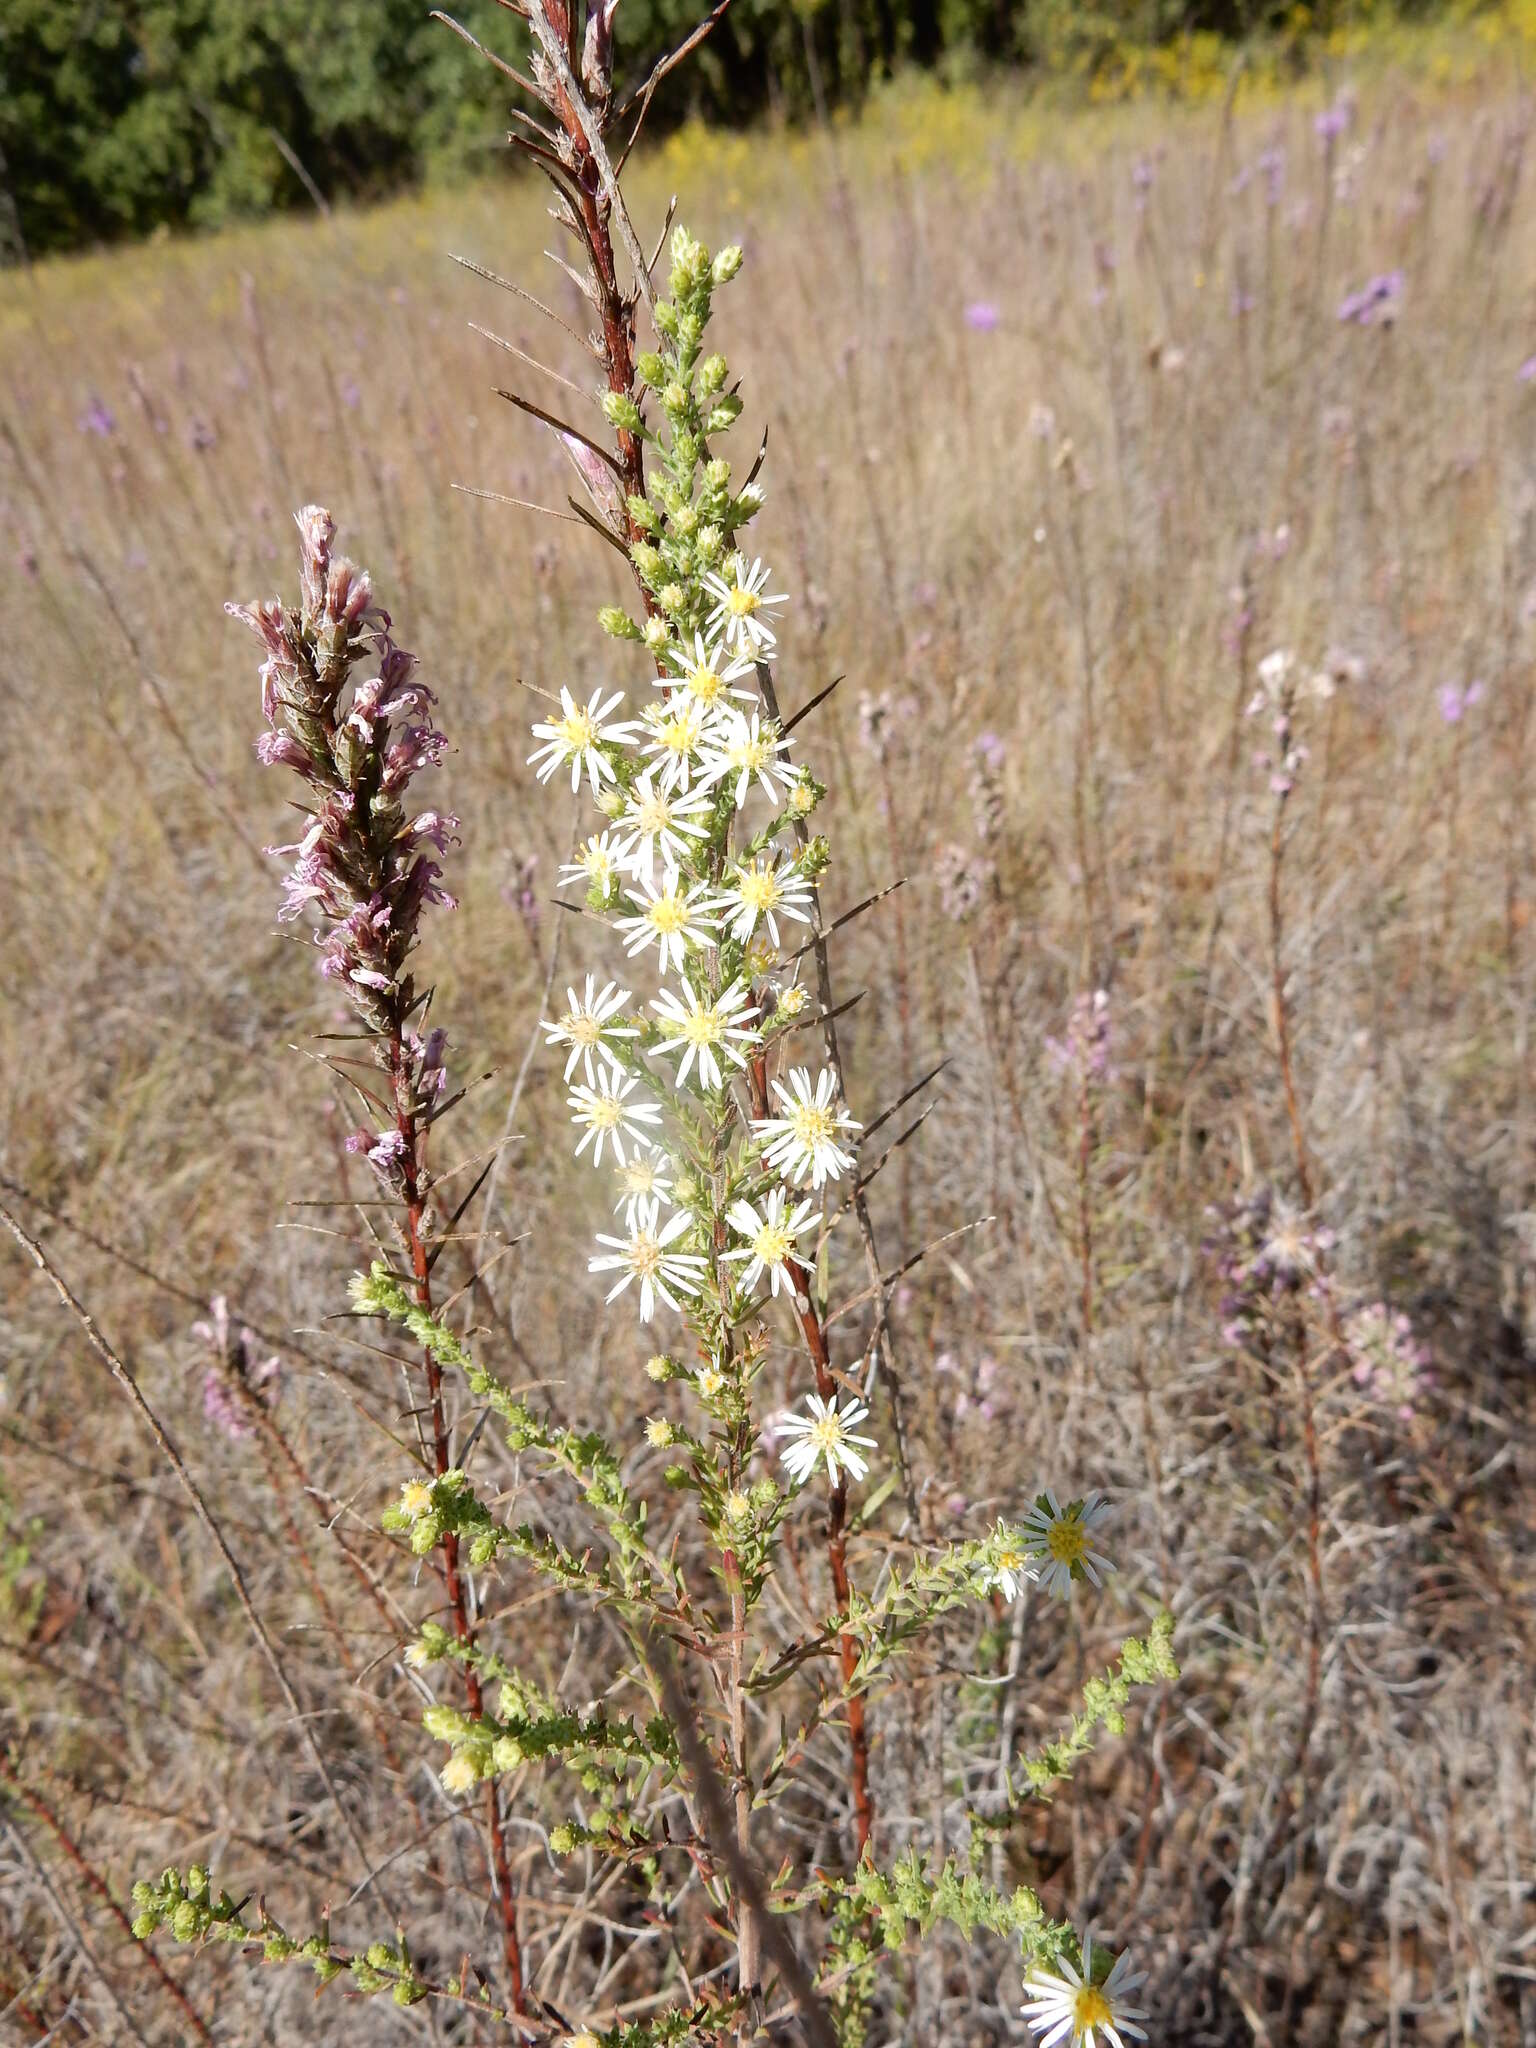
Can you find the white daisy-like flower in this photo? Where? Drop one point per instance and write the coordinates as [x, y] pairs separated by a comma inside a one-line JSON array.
[[1072, 2011], [770, 1236], [644, 1256], [660, 821], [804, 1139], [607, 1112], [1059, 1536], [710, 672], [643, 1177], [706, 1030], [1012, 1565], [741, 614], [577, 735], [598, 861], [588, 1025], [763, 891], [746, 748], [668, 919], [675, 732], [825, 1433]]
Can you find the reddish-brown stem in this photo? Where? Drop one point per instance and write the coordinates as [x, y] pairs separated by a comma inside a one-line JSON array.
[[97, 1886], [448, 1549]]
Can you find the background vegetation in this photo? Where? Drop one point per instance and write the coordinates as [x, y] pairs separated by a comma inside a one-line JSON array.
[[1066, 433], [120, 116]]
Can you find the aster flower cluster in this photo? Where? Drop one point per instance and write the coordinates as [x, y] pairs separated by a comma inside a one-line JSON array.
[[346, 713], [702, 866]]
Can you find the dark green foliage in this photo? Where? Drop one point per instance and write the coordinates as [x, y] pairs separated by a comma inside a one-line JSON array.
[[119, 115]]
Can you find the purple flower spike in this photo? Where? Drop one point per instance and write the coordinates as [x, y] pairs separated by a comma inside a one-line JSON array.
[[982, 317]]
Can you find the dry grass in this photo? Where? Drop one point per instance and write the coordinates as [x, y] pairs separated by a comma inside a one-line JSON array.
[[1082, 607]]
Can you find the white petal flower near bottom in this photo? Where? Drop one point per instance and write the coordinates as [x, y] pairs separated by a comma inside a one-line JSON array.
[[608, 1113], [1072, 2011], [826, 1433], [770, 1236]]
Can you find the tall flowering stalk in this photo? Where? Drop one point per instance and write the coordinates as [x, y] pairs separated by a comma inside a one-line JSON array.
[[730, 1157], [364, 871]]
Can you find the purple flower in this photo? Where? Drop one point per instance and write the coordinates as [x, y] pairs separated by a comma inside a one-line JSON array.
[[1334, 121], [1083, 1050], [1457, 699], [1389, 1363], [351, 393], [98, 419], [236, 1367], [1374, 304], [981, 316], [1527, 371]]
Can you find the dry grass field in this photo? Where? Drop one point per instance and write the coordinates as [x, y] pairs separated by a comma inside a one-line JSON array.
[[1071, 423]]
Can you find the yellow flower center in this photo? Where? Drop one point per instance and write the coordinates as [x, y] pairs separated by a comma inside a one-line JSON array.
[[653, 816], [605, 1112], [759, 888], [597, 861], [645, 1257], [578, 732], [584, 1029], [1090, 2008], [710, 1382], [742, 602], [792, 1002], [752, 753], [678, 735], [811, 1124], [639, 1177], [1011, 1561], [773, 1244], [704, 683], [802, 796], [827, 1434], [668, 914], [416, 1498], [703, 1027], [1065, 1540]]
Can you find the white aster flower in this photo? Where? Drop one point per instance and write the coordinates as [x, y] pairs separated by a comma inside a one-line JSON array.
[[705, 1030], [763, 890], [643, 1177], [1072, 2011], [644, 1256], [742, 599], [588, 1025], [1012, 1565], [825, 1433], [804, 1139], [660, 820], [745, 747], [708, 672], [668, 918], [1059, 1538], [675, 734], [770, 1236], [576, 737], [598, 861], [608, 1113]]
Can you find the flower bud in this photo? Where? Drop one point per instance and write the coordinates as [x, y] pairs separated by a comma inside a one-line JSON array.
[[657, 635], [506, 1753], [660, 1368], [643, 513], [616, 622], [712, 375], [666, 319], [647, 560], [562, 1839], [659, 1433], [726, 264], [446, 1724], [186, 1921], [724, 413], [651, 368], [621, 411]]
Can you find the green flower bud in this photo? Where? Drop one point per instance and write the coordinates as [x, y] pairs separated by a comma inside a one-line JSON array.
[[145, 1925], [651, 368], [765, 1495], [197, 1881], [646, 559], [643, 513], [675, 397], [726, 265], [690, 332], [445, 1724], [717, 473], [621, 411], [657, 634], [424, 1534], [186, 1921], [659, 1433], [709, 546], [660, 1368], [712, 375], [666, 319], [672, 597], [380, 1956], [562, 1839], [724, 413], [506, 1753], [143, 1894], [816, 858]]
